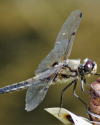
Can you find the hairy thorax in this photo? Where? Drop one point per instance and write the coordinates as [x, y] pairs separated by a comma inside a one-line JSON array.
[[69, 72]]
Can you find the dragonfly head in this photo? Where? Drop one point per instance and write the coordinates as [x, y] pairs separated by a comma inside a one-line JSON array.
[[89, 67]]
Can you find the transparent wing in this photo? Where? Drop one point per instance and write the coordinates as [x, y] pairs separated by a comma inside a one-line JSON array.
[[63, 43], [36, 93], [47, 62], [39, 87], [66, 36]]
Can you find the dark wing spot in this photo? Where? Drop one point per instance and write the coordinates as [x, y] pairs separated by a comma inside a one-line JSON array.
[[54, 64], [73, 33], [80, 15]]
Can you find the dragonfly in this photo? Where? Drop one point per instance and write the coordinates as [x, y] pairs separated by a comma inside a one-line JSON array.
[[56, 67]]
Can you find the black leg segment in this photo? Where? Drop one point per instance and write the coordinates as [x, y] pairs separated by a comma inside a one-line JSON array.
[[86, 82], [77, 95], [62, 94], [75, 83], [82, 86]]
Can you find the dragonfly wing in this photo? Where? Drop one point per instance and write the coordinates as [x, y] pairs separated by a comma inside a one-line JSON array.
[[47, 62], [63, 44], [65, 38], [36, 93]]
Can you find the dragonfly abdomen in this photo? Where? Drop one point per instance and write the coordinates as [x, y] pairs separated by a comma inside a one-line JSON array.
[[14, 87]]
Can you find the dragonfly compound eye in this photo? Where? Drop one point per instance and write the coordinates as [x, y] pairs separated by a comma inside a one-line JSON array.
[[88, 66]]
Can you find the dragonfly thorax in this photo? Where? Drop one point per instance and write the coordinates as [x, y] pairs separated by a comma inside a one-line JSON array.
[[69, 70]]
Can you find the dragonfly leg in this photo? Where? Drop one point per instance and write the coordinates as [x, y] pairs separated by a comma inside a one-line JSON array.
[[62, 94], [82, 86], [86, 82], [77, 95]]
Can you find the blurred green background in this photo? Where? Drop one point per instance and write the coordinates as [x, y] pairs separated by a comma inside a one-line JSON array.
[[28, 30]]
